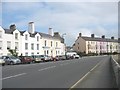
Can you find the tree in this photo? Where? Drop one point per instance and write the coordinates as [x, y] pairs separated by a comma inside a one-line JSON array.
[[13, 52]]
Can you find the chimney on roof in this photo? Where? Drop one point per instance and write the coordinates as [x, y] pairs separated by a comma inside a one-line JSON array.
[[80, 34], [56, 34], [118, 40], [112, 38], [13, 27], [92, 35], [103, 36], [50, 31], [31, 27]]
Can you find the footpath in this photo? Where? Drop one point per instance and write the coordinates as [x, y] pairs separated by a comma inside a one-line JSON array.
[[101, 77]]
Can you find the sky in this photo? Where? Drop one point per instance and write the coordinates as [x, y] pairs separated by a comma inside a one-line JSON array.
[[71, 17]]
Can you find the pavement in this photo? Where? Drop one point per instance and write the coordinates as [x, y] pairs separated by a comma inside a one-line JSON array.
[[92, 72], [100, 77]]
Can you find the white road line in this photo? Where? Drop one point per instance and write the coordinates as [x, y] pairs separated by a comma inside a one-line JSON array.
[[47, 68], [73, 86], [13, 76]]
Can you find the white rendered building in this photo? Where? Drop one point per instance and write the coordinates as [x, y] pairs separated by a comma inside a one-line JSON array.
[[30, 42]]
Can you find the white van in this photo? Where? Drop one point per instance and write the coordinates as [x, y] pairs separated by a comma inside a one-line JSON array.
[[73, 54]]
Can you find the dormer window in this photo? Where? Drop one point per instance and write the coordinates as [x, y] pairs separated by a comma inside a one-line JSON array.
[[37, 38], [16, 36], [26, 37]]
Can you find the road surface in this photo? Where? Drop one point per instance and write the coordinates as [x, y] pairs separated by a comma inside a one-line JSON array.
[[90, 72]]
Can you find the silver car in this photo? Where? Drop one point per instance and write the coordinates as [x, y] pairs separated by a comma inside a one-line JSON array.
[[45, 58], [11, 60]]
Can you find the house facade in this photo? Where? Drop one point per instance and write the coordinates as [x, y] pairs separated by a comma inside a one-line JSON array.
[[30, 42], [95, 45]]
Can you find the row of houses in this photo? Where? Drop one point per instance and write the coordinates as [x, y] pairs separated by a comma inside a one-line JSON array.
[[96, 45], [31, 42]]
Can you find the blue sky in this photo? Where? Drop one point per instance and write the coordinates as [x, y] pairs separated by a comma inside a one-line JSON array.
[[100, 18]]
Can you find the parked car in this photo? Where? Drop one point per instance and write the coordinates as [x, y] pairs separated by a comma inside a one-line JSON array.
[[36, 58], [26, 59], [45, 58], [11, 60], [60, 57], [68, 57], [75, 56], [2, 62]]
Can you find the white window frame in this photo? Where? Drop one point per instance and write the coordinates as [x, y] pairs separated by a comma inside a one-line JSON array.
[[16, 36]]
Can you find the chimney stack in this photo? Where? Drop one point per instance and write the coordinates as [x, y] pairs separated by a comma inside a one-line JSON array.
[[92, 35], [118, 40], [13, 27], [112, 38], [103, 36], [56, 34], [31, 27], [50, 31], [80, 34]]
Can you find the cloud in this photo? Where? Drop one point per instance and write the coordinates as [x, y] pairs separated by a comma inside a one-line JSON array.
[[70, 18]]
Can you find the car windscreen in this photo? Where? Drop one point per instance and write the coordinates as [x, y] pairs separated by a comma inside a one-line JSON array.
[[12, 57]]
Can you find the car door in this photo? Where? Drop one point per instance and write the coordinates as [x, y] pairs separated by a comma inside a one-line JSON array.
[[7, 60]]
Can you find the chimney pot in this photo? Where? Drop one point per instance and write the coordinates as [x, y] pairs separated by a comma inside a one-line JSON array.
[[118, 40], [31, 27], [103, 36], [80, 34], [92, 35], [112, 37], [13, 27], [50, 31]]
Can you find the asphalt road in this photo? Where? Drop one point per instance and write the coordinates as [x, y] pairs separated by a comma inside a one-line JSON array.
[[60, 74]]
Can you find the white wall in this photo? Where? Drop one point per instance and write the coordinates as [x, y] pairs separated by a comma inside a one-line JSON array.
[[21, 44]]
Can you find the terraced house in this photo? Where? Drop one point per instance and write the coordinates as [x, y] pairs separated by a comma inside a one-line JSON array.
[[31, 42], [94, 44]]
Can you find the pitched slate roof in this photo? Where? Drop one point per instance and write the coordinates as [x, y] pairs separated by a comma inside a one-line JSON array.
[[99, 39], [21, 32], [45, 35], [8, 31]]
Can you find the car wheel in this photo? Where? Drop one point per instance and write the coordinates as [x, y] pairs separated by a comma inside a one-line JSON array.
[[11, 63], [3, 64], [33, 61]]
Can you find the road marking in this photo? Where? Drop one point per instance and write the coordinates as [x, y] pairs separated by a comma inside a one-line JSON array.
[[13, 76], [73, 86], [47, 68]]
